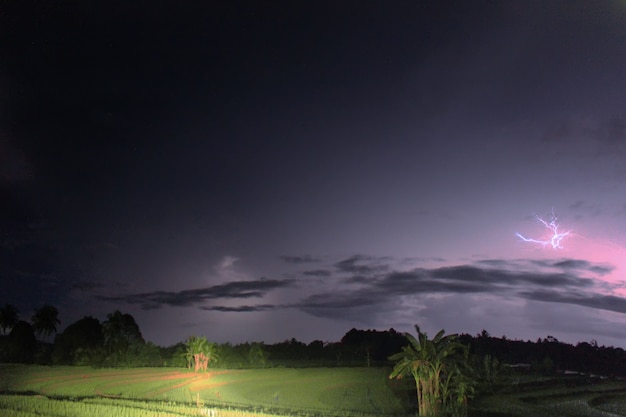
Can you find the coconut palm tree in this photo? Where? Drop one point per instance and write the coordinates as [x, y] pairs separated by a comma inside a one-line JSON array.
[[8, 317], [434, 365], [45, 320]]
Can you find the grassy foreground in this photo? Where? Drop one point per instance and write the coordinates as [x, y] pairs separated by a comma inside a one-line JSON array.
[[30, 390], [557, 396], [80, 391]]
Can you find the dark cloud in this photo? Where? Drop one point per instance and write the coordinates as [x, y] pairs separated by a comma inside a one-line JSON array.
[[470, 273], [359, 279], [596, 301], [318, 273], [565, 265], [572, 264], [585, 266], [305, 259], [362, 297], [423, 281], [241, 309], [494, 262], [360, 305], [376, 291], [236, 289], [361, 264]]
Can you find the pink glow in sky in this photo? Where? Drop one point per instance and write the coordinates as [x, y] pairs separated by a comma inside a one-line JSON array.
[[601, 251], [594, 249]]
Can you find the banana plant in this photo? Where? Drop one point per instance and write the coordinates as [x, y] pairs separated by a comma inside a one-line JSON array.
[[433, 364]]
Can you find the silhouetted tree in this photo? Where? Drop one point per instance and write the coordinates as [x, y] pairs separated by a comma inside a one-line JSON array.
[[45, 320], [8, 317], [257, 355], [122, 338], [19, 346], [81, 343], [373, 345], [149, 355], [174, 355]]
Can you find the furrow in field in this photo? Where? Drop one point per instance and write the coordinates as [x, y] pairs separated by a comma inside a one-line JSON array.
[[90, 379]]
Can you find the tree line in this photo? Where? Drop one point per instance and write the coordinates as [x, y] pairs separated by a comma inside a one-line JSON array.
[[549, 355], [118, 341]]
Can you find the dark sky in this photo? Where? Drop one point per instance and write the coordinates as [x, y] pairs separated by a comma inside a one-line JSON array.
[[267, 170]]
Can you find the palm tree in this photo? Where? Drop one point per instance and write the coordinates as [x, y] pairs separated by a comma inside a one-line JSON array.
[[45, 320], [434, 365], [200, 351], [8, 317]]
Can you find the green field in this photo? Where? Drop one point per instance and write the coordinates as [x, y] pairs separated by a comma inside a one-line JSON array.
[[29, 391], [79, 391], [571, 396]]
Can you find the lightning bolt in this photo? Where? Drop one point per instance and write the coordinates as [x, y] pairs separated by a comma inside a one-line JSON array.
[[555, 239]]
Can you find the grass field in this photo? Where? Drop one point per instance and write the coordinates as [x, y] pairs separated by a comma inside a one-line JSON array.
[[80, 391]]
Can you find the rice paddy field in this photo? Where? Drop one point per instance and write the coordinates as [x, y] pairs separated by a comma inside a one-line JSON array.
[[28, 390], [563, 396]]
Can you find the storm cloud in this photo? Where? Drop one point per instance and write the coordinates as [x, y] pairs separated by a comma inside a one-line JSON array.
[[231, 290]]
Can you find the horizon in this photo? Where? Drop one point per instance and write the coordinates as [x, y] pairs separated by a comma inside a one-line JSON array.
[[61, 328]]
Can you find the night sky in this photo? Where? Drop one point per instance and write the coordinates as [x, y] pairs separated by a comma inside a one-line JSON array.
[[257, 171]]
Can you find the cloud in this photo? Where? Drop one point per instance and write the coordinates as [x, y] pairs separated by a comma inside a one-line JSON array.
[[305, 259], [599, 269], [506, 278], [596, 301], [361, 305], [361, 264], [240, 309], [318, 273], [227, 262], [231, 290], [495, 277], [371, 291]]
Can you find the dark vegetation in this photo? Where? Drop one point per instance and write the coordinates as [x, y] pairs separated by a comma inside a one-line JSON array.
[[118, 342], [441, 375], [549, 355]]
